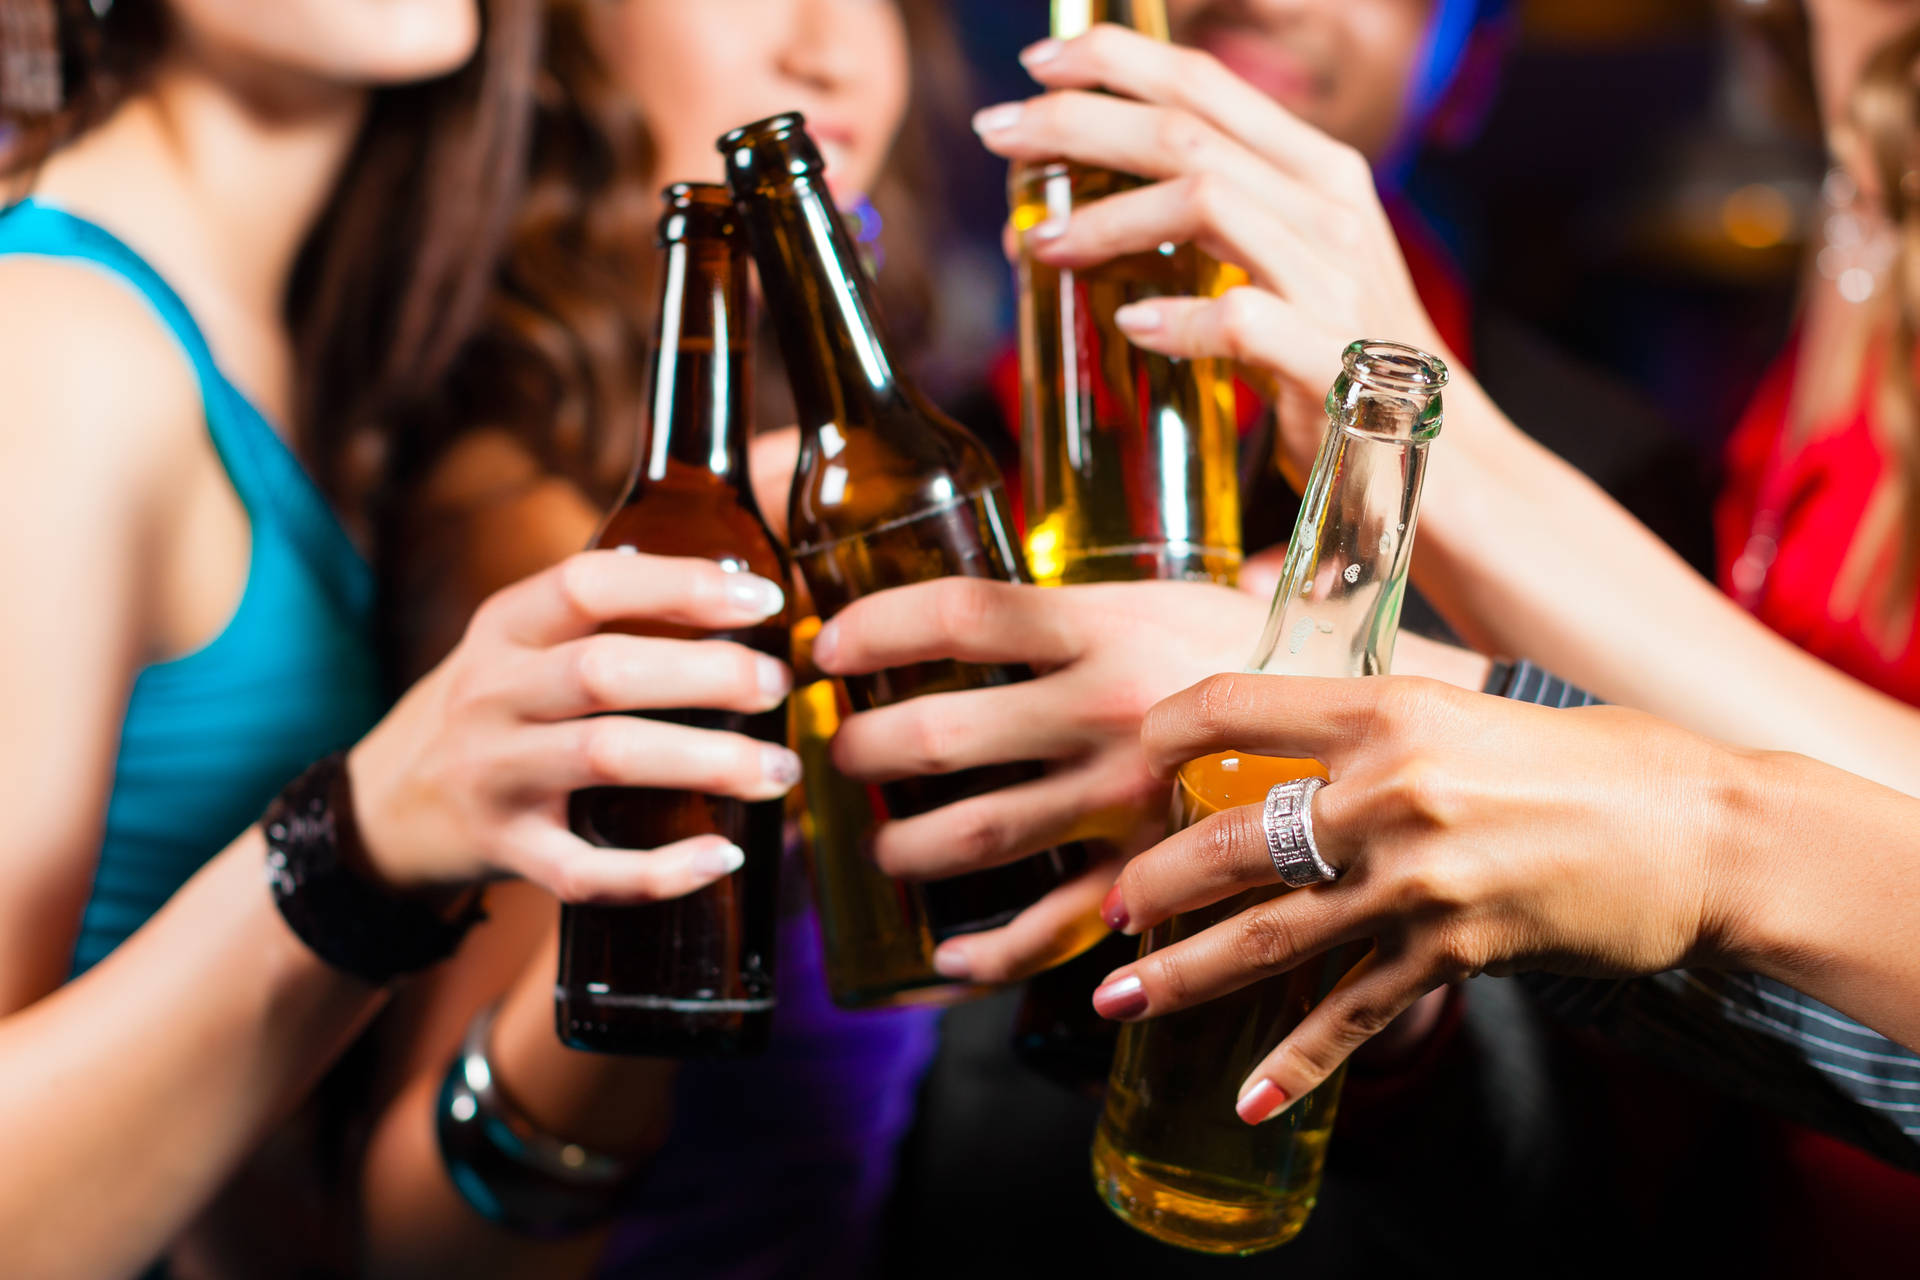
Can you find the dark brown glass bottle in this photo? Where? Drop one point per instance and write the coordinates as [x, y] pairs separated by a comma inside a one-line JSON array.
[[694, 976], [889, 490]]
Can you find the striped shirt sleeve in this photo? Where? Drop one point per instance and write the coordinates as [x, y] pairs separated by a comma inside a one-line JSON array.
[[1749, 1034]]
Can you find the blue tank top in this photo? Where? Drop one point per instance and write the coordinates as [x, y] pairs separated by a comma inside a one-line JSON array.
[[211, 736]]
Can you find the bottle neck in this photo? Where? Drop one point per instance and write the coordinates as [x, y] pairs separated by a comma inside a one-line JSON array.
[[821, 302], [1336, 611], [1074, 17], [700, 410]]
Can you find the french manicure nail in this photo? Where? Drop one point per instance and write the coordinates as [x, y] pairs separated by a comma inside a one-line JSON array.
[[779, 766], [750, 591], [994, 119], [825, 643], [1137, 317], [1052, 229], [1260, 1103], [1113, 911], [1036, 54], [951, 962], [772, 676], [1122, 1000], [721, 860]]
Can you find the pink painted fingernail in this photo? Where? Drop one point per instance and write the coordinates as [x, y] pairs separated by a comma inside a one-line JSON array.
[[1037, 54], [994, 119], [773, 677], [951, 962], [1121, 1001], [1261, 1103], [1113, 911], [1137, 317]]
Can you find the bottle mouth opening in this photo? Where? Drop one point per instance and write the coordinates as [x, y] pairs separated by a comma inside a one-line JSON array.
[[1395, 367], [697, 195]]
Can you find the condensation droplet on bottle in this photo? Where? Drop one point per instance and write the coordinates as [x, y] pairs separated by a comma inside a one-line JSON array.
[[1297, 639], [1386, 543], [1326, 628], [1352, 571]]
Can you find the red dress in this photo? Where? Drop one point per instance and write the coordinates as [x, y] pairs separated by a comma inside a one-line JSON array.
[[1786, 521]]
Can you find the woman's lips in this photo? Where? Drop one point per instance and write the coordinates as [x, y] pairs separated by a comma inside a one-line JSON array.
[[1267, 65]]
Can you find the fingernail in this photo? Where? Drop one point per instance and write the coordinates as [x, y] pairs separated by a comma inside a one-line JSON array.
[[1138, 317], [1122, 1000], [1036, 54], [950, 961], [825, 643], [994, 119], [1052, 229], [1261, 1103], [779, 765], [774, 680], [1113, 911], [750, 591], [721, 860]]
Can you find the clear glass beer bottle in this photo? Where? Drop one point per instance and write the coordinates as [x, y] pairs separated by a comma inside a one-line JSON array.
[[1170, 1156]]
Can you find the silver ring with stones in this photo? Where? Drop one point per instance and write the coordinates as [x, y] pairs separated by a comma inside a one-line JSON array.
[[1288, 822]]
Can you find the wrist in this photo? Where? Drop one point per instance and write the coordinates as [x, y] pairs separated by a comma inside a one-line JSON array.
[[1746, 921]]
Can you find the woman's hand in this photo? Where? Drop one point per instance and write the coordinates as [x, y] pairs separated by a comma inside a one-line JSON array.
[[1237, 174], [1104, 655], [468, 777], [1471, 834]]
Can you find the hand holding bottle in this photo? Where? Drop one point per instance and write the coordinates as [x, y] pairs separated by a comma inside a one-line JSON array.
[[468, 776], [1104, 653], [1241, 177], [1471, 834]]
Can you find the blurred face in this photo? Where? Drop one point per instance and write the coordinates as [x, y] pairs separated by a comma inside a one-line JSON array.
[[362, 43], [1344, 66], [1846, 33], [697, 68]]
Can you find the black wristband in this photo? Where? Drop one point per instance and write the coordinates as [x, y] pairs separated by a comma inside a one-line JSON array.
[[1522, 681], [343, 917]]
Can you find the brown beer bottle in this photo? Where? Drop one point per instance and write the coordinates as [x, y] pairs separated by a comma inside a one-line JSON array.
[[889, 490], [693, 976]]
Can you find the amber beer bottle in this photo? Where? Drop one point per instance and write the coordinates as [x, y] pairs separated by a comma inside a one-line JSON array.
[[1130, 456], [1170, 1156], [889, 490], [694, 976], [1129, 467]]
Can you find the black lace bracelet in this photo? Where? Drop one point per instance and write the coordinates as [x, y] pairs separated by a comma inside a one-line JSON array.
[[346, 919]]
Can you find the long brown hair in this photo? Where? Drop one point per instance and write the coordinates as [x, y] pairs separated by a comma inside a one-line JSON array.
[[559, 360], [1886, 109], [397, 271]]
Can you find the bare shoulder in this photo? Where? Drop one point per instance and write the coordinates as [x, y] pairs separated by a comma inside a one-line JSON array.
[[95, 383]]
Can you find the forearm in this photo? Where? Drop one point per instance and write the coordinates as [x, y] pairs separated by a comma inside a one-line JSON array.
[[1526, 557], [418, 1223], [1827, 881], [130, 1095]]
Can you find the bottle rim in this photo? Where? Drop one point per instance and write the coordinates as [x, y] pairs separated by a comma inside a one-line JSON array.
[[1377, 369]]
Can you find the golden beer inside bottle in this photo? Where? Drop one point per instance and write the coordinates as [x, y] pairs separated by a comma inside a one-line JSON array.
[[1131, 457], [1171, 1157]]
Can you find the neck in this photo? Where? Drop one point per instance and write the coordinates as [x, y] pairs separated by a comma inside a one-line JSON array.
[[216, 177], [257, 163]]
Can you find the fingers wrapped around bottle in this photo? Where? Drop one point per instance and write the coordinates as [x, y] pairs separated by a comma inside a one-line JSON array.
[[470, 775], [1380, 826], [1096, 787]]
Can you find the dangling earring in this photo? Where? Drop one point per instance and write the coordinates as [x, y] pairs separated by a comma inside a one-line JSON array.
[[29, 57]]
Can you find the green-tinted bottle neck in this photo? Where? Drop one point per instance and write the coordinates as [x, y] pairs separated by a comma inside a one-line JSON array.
[[1337, 609], [700, 410], [1072, 17]]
